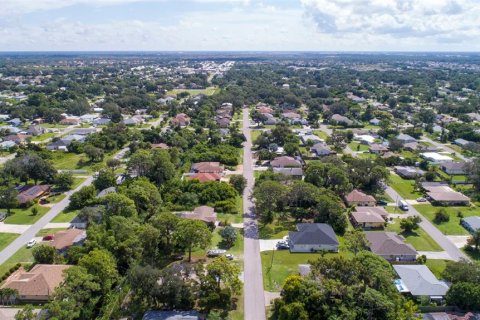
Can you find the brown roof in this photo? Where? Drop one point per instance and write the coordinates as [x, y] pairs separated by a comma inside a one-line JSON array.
[[445, 193], [285, 161], [66, 238], [159, 146], [369, 215], [181, 119], [206, 177], [207, 167], [40, 281], [378, 147], [33, 192], [358, 196], [388, 243], [203, 213]]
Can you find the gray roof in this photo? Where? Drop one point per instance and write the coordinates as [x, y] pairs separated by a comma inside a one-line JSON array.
[[405, 137], [420, 281], [313, 233], [388, 243], [171, 315], [289, 171], [473, 222]]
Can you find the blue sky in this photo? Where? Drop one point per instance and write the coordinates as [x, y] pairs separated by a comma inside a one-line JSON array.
[[316, 25]]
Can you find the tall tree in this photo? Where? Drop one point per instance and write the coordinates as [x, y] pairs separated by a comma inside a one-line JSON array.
[[192, 233]]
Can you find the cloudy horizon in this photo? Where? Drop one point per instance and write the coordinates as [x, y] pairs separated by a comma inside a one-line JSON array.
[[240, 25]]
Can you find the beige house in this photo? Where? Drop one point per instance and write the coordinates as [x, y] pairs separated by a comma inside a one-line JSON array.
[[369, 217], [360, 199], [37, 285]]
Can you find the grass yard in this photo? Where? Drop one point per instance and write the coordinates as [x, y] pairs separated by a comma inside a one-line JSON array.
[[24, 256], [65, 216], [276, 230], [419, 239], [255, 134], [70, 161], [44, 136], [355, 146], [277, 265], [236, 250], [436, 266], [24, 215], [404, 187], [48, 231], [393, 209], [54, 126], [321, 134], [207, 91], [6, 239], [77, 182], [453, 226]]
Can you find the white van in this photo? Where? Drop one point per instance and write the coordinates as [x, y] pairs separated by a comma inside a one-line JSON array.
[[402, 204]]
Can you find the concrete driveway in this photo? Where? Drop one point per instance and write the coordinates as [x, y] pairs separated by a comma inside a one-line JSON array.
[[267, 245], [459, 241], [442, 255], [13, 228]]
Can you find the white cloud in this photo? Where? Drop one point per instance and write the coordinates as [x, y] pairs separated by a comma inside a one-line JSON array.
[[421, 19]]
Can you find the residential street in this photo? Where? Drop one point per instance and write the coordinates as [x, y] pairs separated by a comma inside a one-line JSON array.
[[444, 147], [447, 245], [30, 233], [253, 284]]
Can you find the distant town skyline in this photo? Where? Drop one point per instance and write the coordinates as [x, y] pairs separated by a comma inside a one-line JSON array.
[[239, 25]]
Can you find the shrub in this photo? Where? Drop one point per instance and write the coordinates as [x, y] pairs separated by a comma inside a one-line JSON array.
[[441, 216]]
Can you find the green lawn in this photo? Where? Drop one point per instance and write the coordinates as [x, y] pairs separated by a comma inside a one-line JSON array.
[[404, 187], [276, 230], [419, 239], [193, 92], [77, 182], [24, 216], [321, 134], [236, 250], [452, 227], [255, 134], [436, 266], [24, 255], [65, 216], [393, 209], [48, 231], [70, 161], [355, 146], [277, 265], [44, 136], [6, 239]]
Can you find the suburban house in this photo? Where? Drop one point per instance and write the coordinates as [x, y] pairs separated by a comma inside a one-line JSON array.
[[405, 138], [38, 284], [35, 130], [7, 144], [223, 122], [204, 213], [390, 246], [472, 224], [84, 131], [205, 176], [377, 148], [285, 162], [454, 167], [449, 316], [374, 121], [171, 315], [407, 172], [337, 118], [162, 146], [364, 138], [311, 237], [369, 217], [181, 120], [440, 194], [30, 193], [360, 199], [419, 281], [321, 150], [64, 239], [207, 167], [16, 122], [70, 121], [58, 145], [296, 173], [306, 138], [17, 138], [461, 142], [101, 121], [435, 157]]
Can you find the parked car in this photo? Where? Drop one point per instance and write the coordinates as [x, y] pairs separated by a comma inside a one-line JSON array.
[[31, 243], [382, 202], [421, 200], [282, 245], [215, 252], [48, 237], [229, 256], [3, 216]]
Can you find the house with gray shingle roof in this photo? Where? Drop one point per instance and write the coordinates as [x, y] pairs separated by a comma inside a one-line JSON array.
[[390, 246], [419, 281], [312, 237]]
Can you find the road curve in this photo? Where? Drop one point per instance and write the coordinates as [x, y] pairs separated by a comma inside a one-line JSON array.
[[253, 283]]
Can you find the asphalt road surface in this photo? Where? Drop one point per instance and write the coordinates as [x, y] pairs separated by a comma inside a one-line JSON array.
[[253, 286]]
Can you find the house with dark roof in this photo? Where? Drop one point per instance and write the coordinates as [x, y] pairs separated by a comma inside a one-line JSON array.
[[405, 138], [171, 315], [313, 237], [321, 150], [296, 173], [203, 213], [360, 199], [30, 193], [408, 172], [472, 224], [337, 118], [377, 148], [38, 284], [390, 246], [419, 281]]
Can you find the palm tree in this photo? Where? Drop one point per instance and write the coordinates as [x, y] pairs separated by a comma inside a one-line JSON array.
[[474, 240]]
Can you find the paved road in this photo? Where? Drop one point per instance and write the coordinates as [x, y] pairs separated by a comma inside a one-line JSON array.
[[447, 245], [444, 147], [253, 291], [40, 224]]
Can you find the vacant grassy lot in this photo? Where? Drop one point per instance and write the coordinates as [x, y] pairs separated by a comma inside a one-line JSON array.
[[44, 136], [404, 187], [255, 134], [277, 265], [24, 216], [66, 216], [276, 230], [419, 239], [453, 226], [70, 161], [23, 255], [6, 239]]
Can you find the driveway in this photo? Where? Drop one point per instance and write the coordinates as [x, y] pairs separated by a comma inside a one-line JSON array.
[[13, 228], [444, 147], [253, 289], [268, 245], [459, 241], [441, 255]]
